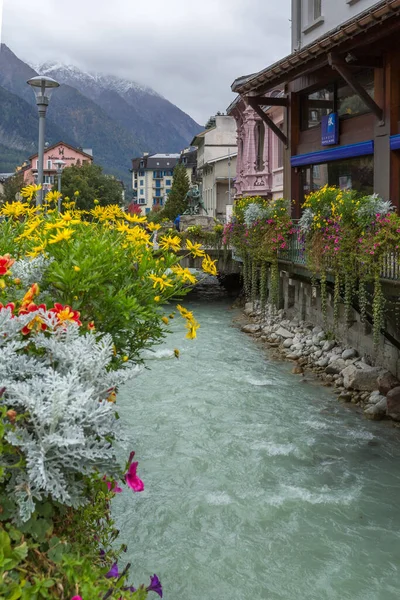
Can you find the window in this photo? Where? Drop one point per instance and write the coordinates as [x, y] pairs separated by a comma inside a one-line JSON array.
[[147, 211], [142, 201], [141, 164], [142, 192], [49, 164], [349, 104], [158, 183], [279, 159], [37, 164], [167, 182], [141, 182], [141, 173], [316, 105], [353, 173], [317, 9], [158, 193], [49, 179], [260, 138]]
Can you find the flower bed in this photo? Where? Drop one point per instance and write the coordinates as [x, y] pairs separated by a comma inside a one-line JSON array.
[[81, 296]]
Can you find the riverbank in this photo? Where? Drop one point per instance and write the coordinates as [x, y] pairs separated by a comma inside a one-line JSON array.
[[354, 379]]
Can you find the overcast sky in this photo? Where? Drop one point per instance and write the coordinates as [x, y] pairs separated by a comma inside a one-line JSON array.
[[189, 51]]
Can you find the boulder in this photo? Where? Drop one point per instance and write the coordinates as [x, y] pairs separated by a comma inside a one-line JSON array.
[[375, 397], [282, 332], [386, 382], [393, 403], [251, 328], [365, 380], [288, 343], [350, 353], [335, 367], [317, 329], [297, 370], [323, 362], [328, 345], [377, 411], [292, 356], [345, 397]]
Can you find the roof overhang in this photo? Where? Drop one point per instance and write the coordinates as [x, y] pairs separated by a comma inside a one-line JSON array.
[[315, 55]]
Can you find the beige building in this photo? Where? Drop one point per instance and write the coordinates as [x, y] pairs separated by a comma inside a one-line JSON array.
[[216, 164]]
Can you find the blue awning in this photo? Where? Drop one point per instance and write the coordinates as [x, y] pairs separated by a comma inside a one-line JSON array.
[[338, 153], [395, 142]]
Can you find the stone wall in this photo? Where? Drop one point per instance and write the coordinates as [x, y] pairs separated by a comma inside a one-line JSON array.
[[301, 300]]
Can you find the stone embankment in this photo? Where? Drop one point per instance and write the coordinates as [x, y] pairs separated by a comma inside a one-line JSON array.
[[354, 378]]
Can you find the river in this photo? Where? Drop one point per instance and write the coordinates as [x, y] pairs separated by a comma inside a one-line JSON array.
[[257, 485]]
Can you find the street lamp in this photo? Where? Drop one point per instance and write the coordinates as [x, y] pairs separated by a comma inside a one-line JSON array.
[[60, 164], [42, 87]]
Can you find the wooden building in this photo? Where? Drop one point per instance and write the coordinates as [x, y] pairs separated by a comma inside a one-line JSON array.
[[342, 107]]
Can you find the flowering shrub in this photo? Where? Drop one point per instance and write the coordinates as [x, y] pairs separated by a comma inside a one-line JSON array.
[[81, 297]]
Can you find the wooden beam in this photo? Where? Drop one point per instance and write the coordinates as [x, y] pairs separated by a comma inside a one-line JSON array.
[[270, 101], [342, 68], [267, 120], [365, 62]]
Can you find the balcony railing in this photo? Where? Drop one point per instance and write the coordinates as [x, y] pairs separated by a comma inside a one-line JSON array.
[[296, 254]]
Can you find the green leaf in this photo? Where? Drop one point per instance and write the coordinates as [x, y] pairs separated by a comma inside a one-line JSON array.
[[20, 552]]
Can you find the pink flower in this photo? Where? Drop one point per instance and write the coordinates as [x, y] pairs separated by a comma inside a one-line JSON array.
[[133, 480], [77, 598]]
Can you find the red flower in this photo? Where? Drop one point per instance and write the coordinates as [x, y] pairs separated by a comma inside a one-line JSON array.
[[66, 314], [37, 323], [9, 305], [5, 263]]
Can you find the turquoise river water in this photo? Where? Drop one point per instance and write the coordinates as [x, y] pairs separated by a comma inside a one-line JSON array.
[[257, 485]]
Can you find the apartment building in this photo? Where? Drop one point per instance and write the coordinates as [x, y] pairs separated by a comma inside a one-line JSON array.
[[152, 177]]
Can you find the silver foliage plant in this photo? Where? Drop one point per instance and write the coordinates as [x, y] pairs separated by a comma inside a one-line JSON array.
[[371, 206], [253, 213], [62, 389], [31, 271]]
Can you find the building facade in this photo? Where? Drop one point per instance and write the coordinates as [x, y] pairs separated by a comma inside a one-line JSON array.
[[216, 164], [312, 19], [259, 168], [3, 179], [61, 151], [152, 177], [341, 104], [188, 159]]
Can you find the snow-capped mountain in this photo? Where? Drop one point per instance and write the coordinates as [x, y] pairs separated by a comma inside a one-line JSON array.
[[116, 117]]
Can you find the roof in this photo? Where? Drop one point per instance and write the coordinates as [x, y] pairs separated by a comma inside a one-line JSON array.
[[155, 161], [200, 136], [5, 176], [294, 64], [67, 146], [215, 160]]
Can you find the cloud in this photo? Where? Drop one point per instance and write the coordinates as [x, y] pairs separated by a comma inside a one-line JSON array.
[[189, 51]]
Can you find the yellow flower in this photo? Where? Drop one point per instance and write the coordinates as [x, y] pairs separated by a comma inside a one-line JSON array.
[[14, 209], [176, 352], [30, 191], [184, 274], [36, 250], [125, 358], [157, 298], [194, 249], [170, 243], [134, 218], [95, 202], [172, 316], [165, 320], [208, 266], [53, 197], [76, 194], [186, 314], [153, 226], [163, 282], [66, 234], [76, 268], [192, 325]]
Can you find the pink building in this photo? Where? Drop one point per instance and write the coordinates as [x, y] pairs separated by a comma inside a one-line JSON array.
[[60, 151], [259, 167]]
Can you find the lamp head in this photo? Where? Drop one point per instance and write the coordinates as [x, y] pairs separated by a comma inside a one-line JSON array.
[[43, 87], [60, 164]]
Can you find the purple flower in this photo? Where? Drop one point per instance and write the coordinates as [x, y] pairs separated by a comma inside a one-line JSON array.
[[155, 586], [113, 572], [129, 589]]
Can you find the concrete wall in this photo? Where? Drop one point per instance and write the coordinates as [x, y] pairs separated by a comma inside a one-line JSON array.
[[302, 300], [306, 29]]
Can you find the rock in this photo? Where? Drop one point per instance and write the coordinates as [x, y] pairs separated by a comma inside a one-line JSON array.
[[297, 370], [292, 356], [282, 332], [318, 354], [375, 397], [345, 397], [251, 328], [377, 411], [361, 379], [323, 362], [287, 343], [350, 353], [386, 382], [393, 403], [248, 308], [335, 367], [297, 347], [328, 345]]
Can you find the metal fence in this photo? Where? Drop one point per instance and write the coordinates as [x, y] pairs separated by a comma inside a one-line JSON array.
[[296, 253]]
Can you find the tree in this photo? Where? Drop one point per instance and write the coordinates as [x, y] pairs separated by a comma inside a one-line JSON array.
[[12, 186], [92, 184], [176, 203]]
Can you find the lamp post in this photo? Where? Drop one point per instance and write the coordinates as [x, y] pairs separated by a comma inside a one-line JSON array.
[[60, 164], [42, 87]]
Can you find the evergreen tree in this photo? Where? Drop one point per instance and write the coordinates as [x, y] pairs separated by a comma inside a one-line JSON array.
[[92, 184], [176, 203]]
